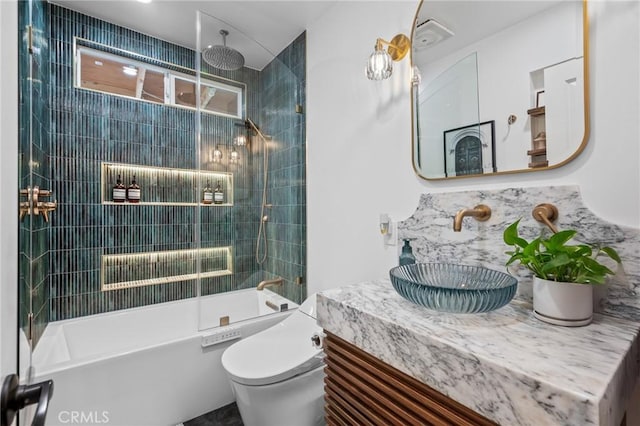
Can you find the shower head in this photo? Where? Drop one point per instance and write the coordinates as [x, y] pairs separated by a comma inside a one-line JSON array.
[[223, 57]]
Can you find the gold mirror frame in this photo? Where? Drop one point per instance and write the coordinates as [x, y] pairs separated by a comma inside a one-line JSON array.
[[587, 128]]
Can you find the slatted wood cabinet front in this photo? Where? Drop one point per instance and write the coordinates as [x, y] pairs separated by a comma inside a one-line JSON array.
[[362, 390]]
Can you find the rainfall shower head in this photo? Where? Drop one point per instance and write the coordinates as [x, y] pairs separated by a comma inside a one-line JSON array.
[[223, 57]]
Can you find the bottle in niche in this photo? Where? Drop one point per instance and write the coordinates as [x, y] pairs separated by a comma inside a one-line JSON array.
[[218, 194], [119, 192], [407, 257], [133, 191], [207, 194]]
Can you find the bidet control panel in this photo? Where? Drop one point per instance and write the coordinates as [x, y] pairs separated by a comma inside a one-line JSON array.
[[221, 336]]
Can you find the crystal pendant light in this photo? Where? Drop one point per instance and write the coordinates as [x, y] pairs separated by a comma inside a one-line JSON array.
[[217, 155], [234, 156], [240, 139]]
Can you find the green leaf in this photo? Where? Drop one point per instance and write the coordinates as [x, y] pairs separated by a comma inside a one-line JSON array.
[[611, 253], [531, 248], [555, 263], [596, 267], [560, 238], [511, 236], [582, 250]]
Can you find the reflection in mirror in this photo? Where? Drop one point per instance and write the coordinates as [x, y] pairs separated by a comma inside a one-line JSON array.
[[501, 87]]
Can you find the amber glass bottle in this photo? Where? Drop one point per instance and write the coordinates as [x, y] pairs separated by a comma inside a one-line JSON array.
[[133, 192], [119, 192]]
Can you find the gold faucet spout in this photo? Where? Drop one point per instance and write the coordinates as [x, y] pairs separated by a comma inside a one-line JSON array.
[[265, 283], [481, 213]]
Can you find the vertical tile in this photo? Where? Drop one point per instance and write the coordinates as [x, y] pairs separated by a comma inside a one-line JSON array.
[[84, 128]]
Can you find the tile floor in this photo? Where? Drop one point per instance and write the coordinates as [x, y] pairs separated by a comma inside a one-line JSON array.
[[224, 416]]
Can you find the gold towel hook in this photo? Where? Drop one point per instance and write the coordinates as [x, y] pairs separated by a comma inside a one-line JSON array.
[[546, 213]]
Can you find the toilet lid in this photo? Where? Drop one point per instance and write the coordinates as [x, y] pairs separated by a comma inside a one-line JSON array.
[[275, 354]]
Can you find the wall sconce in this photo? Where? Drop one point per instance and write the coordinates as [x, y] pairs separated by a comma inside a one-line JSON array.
[[380, 65], [234, 156], [217, 155], [241, 138]]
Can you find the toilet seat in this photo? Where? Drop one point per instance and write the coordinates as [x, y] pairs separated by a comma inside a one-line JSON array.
[[276, 354]]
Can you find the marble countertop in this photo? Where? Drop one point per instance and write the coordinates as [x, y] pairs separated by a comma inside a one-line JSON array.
[[505, 364]]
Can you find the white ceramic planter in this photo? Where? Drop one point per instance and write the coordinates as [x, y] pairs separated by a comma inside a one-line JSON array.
[[560, 303]]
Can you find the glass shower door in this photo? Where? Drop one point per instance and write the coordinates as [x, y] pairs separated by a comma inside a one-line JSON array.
[[262, 220], [19, 391], [37, 203]]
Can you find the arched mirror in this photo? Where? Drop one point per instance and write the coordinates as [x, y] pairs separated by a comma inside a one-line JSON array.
[[498, 87]]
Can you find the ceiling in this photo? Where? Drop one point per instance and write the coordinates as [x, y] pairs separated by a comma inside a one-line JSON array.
[[274, 24]]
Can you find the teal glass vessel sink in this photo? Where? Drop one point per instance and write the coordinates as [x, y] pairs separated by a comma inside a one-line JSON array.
[[453, 288]]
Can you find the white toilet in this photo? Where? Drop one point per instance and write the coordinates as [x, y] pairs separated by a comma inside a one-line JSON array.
[[277, 375]]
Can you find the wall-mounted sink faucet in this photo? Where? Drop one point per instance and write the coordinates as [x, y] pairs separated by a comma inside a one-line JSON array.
[[481, 212]]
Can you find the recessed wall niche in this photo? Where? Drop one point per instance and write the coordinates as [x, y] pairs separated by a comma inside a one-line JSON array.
[[141, 269], [166, 186]]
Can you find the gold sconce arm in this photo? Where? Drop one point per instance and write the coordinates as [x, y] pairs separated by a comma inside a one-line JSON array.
[[398, 46]]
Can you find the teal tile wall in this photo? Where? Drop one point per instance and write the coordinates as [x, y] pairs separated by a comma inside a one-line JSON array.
[[283, 84], [86, 128]]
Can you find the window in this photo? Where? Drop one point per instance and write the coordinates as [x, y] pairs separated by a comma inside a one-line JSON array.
[[217, 98], [123, 76]]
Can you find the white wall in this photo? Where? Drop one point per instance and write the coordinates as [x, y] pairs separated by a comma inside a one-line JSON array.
[[359, 139], [8, 188]]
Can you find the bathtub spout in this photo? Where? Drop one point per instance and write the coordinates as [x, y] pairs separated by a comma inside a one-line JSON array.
[[265, 283]]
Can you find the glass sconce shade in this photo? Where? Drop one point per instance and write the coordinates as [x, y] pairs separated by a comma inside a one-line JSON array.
[[234, 156], [240, 140], [380, 65], [217, 155]]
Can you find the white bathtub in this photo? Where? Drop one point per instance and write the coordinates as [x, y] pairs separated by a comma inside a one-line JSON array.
[[150, 365]]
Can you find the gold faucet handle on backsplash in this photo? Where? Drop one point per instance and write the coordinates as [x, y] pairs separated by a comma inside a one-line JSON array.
[[546, 213]]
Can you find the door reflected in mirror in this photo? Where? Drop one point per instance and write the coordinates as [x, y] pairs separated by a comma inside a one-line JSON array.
[[502, 86]]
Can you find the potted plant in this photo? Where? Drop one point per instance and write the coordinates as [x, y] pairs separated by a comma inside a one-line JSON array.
[[563, 274]]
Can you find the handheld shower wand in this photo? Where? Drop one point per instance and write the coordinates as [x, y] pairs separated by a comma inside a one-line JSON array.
[[261, 243]]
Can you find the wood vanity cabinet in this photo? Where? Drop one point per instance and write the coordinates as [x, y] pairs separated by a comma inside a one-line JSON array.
[[362, 390]]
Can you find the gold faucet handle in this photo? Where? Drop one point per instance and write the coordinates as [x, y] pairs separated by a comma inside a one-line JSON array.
[[546, 213]]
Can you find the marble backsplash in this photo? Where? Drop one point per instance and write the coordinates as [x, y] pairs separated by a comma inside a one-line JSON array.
[[481, 243]]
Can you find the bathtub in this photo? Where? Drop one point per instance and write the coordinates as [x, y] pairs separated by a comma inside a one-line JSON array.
[[155, 365]]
